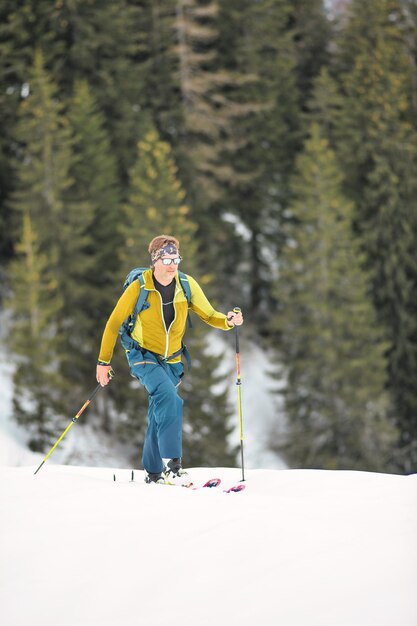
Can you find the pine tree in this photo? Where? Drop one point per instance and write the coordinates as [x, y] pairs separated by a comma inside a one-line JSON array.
[[205, 109], [99, 42], [329, 344], [11, 66], [263, 50], [186, 87], [35, 305], [378, 145], [43, 158], [158, 67], [94, 172], [46, 186], [312, 36], [102, 41], [60, 220], [191, 98], [156, 204], [325, 108]]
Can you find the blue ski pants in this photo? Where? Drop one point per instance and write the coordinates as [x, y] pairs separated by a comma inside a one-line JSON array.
[[163, 439]]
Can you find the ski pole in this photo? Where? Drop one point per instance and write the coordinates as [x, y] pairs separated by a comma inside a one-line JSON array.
[[239, 395], [73, 421]]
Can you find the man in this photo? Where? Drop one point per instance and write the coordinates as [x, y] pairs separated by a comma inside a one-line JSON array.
[[154, 350]]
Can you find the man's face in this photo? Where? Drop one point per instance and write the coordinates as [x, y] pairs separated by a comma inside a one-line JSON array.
[[165, 273]]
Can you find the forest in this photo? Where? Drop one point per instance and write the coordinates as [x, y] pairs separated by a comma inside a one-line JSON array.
[[277, 140]]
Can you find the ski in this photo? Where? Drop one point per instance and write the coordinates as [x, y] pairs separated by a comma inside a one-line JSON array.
[[235, 489], [215, 482], [212, 483]]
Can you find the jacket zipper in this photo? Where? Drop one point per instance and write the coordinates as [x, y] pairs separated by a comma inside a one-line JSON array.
[[163, 318], [175, 316]]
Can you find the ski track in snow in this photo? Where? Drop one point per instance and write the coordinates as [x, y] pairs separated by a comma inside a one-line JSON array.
[[295, 548]]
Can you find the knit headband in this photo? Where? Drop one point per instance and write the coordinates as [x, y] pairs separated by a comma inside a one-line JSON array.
[[168, 248]]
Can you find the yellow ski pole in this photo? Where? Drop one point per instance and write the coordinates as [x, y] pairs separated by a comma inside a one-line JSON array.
[[239, 395], [73, 421]]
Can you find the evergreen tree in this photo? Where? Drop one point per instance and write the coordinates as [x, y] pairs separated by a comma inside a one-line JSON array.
[[378, 145], [155, 205], [312, 36], [325, 108], [263, 50], [186, 90], [42, 165], [329, 342], [94, 41], [10, 96], [42, 160], [35, 305], [191, 98], [205, 109], [60, 220], [157, 65], [94, 172]]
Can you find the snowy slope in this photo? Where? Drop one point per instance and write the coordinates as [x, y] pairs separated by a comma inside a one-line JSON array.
[[296, 548], [13, 450]]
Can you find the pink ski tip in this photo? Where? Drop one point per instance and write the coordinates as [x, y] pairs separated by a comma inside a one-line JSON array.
[[236, 488], [213, 482]]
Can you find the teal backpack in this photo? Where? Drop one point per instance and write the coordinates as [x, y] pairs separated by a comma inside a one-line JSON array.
[[142, 304]]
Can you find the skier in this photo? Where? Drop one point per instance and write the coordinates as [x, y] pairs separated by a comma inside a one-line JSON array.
[[154, 348]]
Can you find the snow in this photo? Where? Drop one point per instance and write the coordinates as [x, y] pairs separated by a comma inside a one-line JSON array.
[[13, 450], [296, 547]]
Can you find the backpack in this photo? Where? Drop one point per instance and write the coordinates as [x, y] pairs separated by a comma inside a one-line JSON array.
[[142, 304]]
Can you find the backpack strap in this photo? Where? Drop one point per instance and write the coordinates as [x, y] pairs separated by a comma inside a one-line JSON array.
[[141, 303], [143, 296], [185, 286], [187, 293]]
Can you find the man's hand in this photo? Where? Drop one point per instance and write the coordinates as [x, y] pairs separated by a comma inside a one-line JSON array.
[[235, 318], [102, 374]]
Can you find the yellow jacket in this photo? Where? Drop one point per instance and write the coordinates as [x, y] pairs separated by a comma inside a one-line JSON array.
[[149, 330]]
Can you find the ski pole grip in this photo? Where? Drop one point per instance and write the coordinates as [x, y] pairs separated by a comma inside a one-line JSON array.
[[111, 374], [235, 310]]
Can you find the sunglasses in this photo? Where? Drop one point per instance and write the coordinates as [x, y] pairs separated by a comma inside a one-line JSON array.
[[176, 261]]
